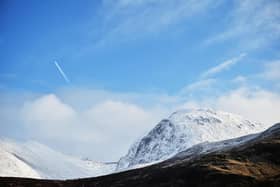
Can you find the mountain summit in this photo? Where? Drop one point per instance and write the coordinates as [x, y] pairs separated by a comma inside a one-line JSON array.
[[184, 129]]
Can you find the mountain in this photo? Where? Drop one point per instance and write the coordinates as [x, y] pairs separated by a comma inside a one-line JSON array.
[[182, 130], [176, 134], [252, 160], [35, 160], [10, 165]]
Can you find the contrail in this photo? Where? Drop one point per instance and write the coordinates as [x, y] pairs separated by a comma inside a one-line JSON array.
[[61, 72]]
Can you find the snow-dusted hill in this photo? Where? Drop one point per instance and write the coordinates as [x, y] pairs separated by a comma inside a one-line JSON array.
[[10, 165], [184, 129], [35, 160]]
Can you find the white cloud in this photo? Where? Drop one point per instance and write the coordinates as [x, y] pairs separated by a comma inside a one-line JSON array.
[[223, 66], [132, 19], [253, 24], [102, 124], [128, 3], [240, 79], [105, 130], [120, 123], [47, 115], [272, 71], [198, 85], [254, 104], [247, 99], [45, 108], [258, 104], [207, 85], [122, 115]]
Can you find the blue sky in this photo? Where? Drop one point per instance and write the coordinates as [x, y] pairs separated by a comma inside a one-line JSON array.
[[126, 45], [150, 56]]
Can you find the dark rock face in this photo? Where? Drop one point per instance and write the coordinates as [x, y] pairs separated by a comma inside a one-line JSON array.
[[254, 163]]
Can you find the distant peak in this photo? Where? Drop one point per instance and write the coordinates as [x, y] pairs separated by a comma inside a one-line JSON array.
[[183, 129], [188, 110], [193, 110]]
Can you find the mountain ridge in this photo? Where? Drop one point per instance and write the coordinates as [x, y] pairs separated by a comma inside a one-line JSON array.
[[183, 129], [255, 162]]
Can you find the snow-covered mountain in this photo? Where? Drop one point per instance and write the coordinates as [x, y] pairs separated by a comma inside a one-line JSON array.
[[184, 129], [32, 159], [10, 165]]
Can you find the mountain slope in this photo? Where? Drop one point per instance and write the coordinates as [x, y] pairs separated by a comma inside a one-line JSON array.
[[10, 165], [39, 161], [182, 130], [247, 161]]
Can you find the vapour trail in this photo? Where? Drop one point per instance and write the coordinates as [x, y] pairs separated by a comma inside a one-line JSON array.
[[61, 72]]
